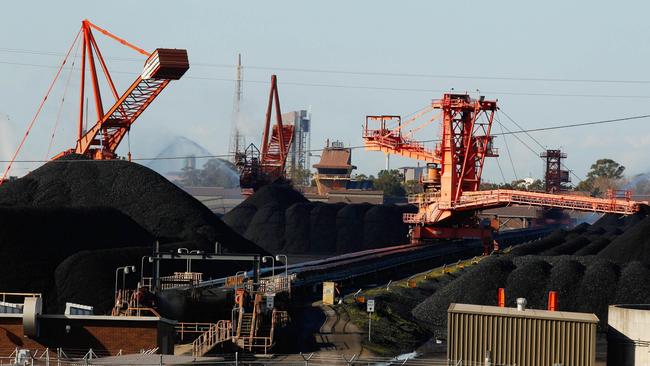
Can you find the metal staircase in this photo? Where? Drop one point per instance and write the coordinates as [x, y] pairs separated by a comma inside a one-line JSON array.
[[216, 334]]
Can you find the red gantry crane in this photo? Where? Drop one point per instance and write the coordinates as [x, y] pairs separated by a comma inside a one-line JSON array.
[[101, 140], [451, 195], [258, 169]]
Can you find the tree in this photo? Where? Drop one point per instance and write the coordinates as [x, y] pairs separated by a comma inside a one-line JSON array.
[[604, 174], [390, 182], [413, 187]]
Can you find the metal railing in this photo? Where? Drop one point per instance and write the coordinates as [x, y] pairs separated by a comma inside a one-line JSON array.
[[217, 333], [90, 357]]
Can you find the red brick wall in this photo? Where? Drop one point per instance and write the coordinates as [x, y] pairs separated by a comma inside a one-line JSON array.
[[103, 336]]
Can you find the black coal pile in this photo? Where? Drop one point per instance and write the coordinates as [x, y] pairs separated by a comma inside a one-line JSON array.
[[528, 281], [350, 227], [280, 219], [71, 206], [594, 247], [298, 222], [598, 289], [632, 244], [33, 241], [634, 284], [570, 246], [538, 246], [478, 286], [564, 279], [322, 231], [161, 208]]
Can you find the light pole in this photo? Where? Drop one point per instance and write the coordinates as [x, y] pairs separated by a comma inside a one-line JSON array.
[[189, 260], [186, 251], [286, 263], [142, 268], [286, 270], [125, 270], [272, 263]]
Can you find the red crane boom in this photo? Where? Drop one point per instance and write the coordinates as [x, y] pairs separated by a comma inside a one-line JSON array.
[[101, 140], [258, 169]]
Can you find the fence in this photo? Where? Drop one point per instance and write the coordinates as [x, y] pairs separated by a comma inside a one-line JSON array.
[[149, 358]]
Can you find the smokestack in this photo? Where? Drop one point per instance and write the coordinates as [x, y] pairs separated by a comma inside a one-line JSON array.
[[521, 304]]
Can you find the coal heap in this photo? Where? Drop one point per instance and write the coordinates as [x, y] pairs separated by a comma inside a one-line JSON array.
[[69, 214], [590, 267], [478, 286], [35, 240], [165, 211], [280, 220]]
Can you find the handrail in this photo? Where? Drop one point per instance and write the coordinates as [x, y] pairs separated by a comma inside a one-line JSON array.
[[217, 333]]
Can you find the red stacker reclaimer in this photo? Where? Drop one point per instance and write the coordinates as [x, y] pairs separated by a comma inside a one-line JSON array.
[[447, 207], [100, 141], [260, 168]]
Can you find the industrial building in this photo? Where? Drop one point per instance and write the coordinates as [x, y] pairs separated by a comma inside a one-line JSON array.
[[26, 327], [509, 336], [628, 335], [298, 158]]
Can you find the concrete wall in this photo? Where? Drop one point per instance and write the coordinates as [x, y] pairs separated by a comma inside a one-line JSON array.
[[628, 336]]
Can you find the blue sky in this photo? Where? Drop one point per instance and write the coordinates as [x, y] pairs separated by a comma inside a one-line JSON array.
[[591, 40]]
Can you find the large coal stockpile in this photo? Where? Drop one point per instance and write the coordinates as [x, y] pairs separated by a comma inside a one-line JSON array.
[[298, 221], [598, 289], [350, 227], [34, 241], [478, 286], [634, 284], [281, 220], [70, 206], [161, 208], [590, 267], [556, 238], [528, 281], [632, 244], [322, 231], [564, 279]]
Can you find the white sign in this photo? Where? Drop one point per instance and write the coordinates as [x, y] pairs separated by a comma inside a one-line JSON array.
[[370, 306], [269, 302]]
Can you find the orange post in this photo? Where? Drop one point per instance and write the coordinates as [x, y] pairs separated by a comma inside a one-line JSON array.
[[501, 297], [552, 301]]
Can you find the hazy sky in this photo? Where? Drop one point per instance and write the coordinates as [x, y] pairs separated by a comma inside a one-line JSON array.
[[425, 46]]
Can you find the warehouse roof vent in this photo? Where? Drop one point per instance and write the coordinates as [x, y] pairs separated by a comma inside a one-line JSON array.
[[521, 304]]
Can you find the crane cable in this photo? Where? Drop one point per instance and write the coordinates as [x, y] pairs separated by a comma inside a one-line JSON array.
[[538, 143], [505, 142], [38, 111], [59, 112]]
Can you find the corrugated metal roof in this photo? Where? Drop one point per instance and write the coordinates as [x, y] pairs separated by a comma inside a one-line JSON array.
[[528, 313], [335, 158]]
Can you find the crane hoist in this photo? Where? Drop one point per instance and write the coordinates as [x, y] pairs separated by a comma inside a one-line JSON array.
[[447, 207], [100, 141]]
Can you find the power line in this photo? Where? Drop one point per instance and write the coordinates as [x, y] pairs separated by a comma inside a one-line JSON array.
[[368, 87], [538, 143], [505, 142], [365, 73], [354, 147]]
